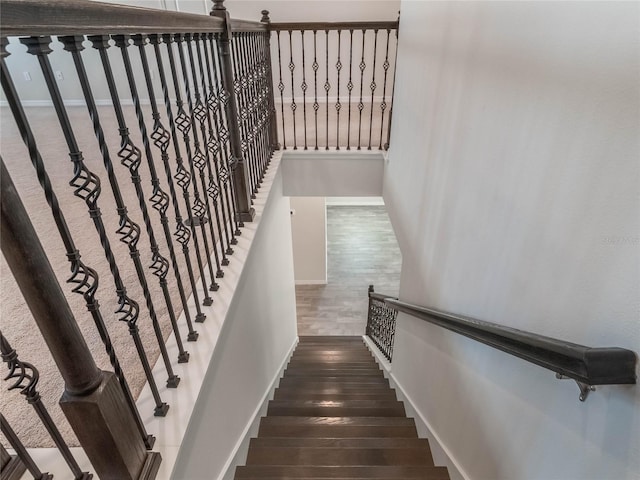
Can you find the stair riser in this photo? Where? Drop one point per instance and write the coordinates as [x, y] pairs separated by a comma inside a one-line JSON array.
[[340, 442]]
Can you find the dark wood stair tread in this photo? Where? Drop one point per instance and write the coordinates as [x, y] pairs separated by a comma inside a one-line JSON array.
[[297, 471], [340, 442], [334, 416], [337, 456], [302, 394], [332, 408]]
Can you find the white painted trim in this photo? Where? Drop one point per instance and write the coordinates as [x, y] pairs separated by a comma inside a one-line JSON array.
[[455, 469], [311, 282], [232, 461]]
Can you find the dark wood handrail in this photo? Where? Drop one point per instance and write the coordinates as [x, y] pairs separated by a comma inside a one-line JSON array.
[[83, 17], [322, 26], [247, 26], [591, 366]]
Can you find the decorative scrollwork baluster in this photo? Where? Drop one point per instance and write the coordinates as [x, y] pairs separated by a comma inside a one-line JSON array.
[[383, 104], [184, 177], [85, 278], [350, 87], [203, 161], [21, 451], [281, 89], [327, 86], [25, 378], [338, 104], [217, 147], [373, 83], [362, 66], [131, 158], [182, 234], [223, 132]]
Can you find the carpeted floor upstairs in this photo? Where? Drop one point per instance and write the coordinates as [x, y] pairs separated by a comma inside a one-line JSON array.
[[335, 416]]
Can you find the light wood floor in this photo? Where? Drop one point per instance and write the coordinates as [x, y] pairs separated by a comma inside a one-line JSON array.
[[361, 250]]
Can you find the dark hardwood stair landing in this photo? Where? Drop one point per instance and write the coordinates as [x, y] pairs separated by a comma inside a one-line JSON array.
[[334, 416]]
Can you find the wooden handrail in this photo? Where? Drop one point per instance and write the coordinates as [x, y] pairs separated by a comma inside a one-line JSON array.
[[587, 365], [322, 26], [76, 17]]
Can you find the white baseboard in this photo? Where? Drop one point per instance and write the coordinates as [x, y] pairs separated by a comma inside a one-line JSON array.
[[239, 453], [442, 455]]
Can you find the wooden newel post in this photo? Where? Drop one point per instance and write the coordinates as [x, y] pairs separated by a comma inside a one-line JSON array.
[[239, 170], [92, 401], [273, 127]]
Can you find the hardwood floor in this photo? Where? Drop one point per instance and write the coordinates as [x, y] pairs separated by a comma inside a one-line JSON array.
[[361, 250]]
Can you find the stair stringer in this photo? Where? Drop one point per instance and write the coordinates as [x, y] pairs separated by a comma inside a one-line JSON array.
[[441, 454]]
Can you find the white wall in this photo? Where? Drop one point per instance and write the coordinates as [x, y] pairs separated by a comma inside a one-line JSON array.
[[512, 185], [309, 238], [332, 174], [258, 334]]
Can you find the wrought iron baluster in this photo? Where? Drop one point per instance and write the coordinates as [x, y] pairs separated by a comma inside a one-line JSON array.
[[212, 190], [182, 234], [383, 104], [197, 159], [281, 88], [11, 466], [292, 67], [25, 377], [350, 87], [327, 85], [252, 119], [304, 90], [381, 324], [201, 115], [393, 89], [362, 67], [257, 104], [255, 48], [270, 144], [183, 177], [223, 128], [273, 128], [92, 399], [338, 104], [84, 277], [315, 66], [21, 451], [241, 88], [161, 139], [216, 146], [373, 83], [159, 199]]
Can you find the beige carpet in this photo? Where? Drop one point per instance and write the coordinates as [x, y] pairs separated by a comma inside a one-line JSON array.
[[17, 324]]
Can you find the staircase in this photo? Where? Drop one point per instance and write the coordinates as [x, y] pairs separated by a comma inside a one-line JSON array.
[[335, 416]]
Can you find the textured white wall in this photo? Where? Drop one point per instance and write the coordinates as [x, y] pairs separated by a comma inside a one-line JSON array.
[[309, 237], [257, 335], [512, 184]]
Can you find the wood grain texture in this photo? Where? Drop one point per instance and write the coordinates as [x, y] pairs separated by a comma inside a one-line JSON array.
[[313, 433]]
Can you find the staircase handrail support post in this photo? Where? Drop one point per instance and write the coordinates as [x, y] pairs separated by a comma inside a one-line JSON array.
[[239, 167], [110, 439]]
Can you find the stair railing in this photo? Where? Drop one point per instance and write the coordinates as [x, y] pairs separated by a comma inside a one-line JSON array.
[[195, 133], [335, 82], [588, 366]]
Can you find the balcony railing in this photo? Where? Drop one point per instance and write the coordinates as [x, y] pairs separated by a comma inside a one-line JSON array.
[[173, 125]]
